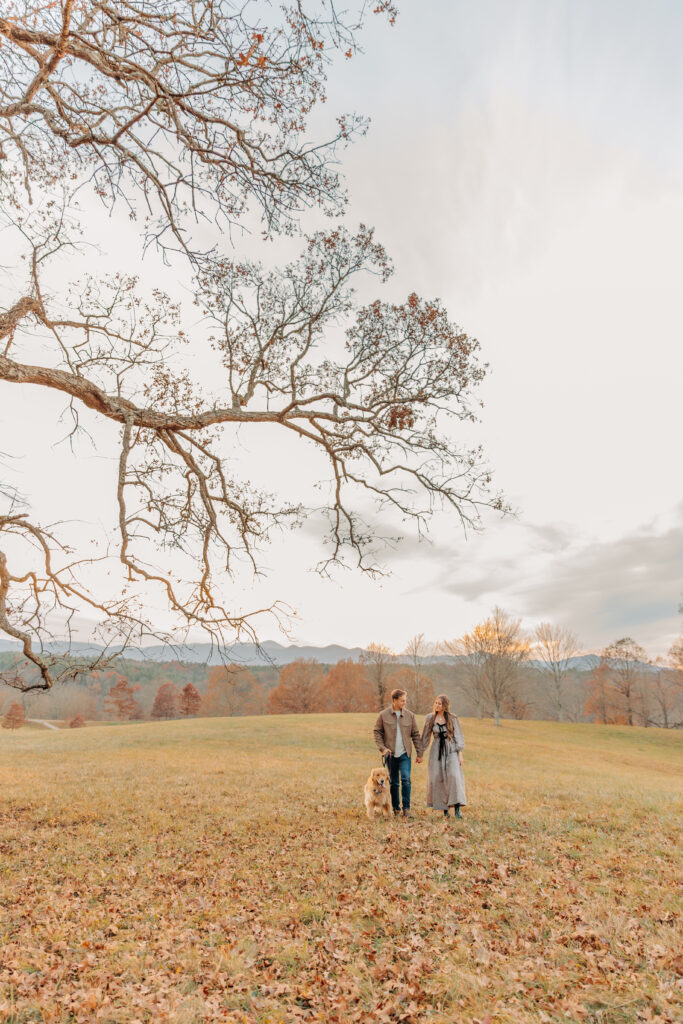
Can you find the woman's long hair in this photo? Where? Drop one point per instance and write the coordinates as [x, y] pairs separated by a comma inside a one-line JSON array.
[[450, 728]]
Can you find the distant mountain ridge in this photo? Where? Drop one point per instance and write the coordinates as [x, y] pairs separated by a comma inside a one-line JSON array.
[[268, 653]]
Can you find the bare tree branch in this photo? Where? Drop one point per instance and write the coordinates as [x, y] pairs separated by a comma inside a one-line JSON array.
[[187, 113]]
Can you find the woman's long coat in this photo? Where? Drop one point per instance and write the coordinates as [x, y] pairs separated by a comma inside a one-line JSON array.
[[445, 778]]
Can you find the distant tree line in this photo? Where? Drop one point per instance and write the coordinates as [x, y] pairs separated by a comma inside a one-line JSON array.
[[505, 672], [494, 671]]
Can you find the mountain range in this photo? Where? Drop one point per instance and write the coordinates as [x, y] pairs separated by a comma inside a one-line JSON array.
[[268, 653]]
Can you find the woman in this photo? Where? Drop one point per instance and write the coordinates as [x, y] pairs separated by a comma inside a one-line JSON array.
[[445, 779]]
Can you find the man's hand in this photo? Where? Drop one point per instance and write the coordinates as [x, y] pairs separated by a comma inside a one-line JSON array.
[[386, 752]]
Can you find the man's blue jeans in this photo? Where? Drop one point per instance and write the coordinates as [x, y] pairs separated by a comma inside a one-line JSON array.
[[399, 767]]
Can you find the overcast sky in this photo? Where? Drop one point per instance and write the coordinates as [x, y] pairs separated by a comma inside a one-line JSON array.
[[525, 165]]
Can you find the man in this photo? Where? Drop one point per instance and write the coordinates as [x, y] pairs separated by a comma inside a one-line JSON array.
[[395, 732]]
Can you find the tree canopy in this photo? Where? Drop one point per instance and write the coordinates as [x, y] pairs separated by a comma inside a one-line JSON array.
[[183, 119]]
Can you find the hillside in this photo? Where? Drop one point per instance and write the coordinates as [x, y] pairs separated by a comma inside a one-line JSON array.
[[223, 870]]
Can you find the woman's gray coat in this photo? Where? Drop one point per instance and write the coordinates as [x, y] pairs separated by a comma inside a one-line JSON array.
[[445, 779]]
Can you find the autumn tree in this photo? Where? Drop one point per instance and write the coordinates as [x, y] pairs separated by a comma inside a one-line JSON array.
[[121, 700], [421, 689], [603, 702], [77, 722], [665, 690], [184, 121], [190, 701], [418, 686], [347, 688], [494, 653], [626, 661], [675, 655], [554, 649], [166, 701], [664, 698], [14, 718], [518, 702], [378, 659], [69, 699], [232, 690], [470, 660], [299, 690], [138, 713]]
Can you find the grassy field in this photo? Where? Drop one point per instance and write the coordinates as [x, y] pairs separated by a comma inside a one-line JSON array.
[[223, 870]]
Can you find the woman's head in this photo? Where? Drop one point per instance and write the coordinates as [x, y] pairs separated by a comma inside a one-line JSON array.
[[442, 706]]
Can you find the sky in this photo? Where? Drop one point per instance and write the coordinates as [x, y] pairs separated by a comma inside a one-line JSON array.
[[524, 163]]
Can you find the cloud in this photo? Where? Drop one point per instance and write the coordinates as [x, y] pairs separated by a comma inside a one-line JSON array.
[[611, 589], [489, 566], [631, 585]]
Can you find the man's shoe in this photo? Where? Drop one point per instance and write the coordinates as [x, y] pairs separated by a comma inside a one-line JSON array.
[[397, 811], [407, 814]]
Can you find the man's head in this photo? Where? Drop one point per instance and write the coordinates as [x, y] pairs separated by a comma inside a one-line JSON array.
[[398, 699]]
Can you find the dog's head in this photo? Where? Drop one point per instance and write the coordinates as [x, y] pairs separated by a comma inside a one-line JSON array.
[[380, 778]]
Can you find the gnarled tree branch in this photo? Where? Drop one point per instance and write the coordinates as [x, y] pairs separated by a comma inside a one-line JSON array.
[[189, 111]]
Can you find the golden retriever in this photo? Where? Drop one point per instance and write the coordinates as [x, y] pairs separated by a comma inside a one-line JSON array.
[[377, 795]]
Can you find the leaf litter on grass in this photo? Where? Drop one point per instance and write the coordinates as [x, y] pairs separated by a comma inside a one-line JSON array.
[[157, 876]]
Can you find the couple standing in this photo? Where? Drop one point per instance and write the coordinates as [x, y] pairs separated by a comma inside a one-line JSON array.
[[395, 733]]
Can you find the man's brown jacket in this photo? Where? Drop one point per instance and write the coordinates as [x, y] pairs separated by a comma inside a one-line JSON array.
[[385, 731]]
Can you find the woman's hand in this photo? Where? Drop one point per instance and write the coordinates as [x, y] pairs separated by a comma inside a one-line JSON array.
[[460, 758]]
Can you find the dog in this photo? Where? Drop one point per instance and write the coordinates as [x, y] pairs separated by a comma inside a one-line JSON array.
[[377, 796]]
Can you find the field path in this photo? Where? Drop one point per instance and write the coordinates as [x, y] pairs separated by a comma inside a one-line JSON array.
[[41, 721]]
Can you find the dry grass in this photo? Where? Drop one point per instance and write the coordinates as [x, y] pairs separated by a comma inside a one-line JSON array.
[[223, 870]]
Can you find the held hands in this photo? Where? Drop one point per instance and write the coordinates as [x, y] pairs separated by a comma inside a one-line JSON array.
[[387, 753]]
